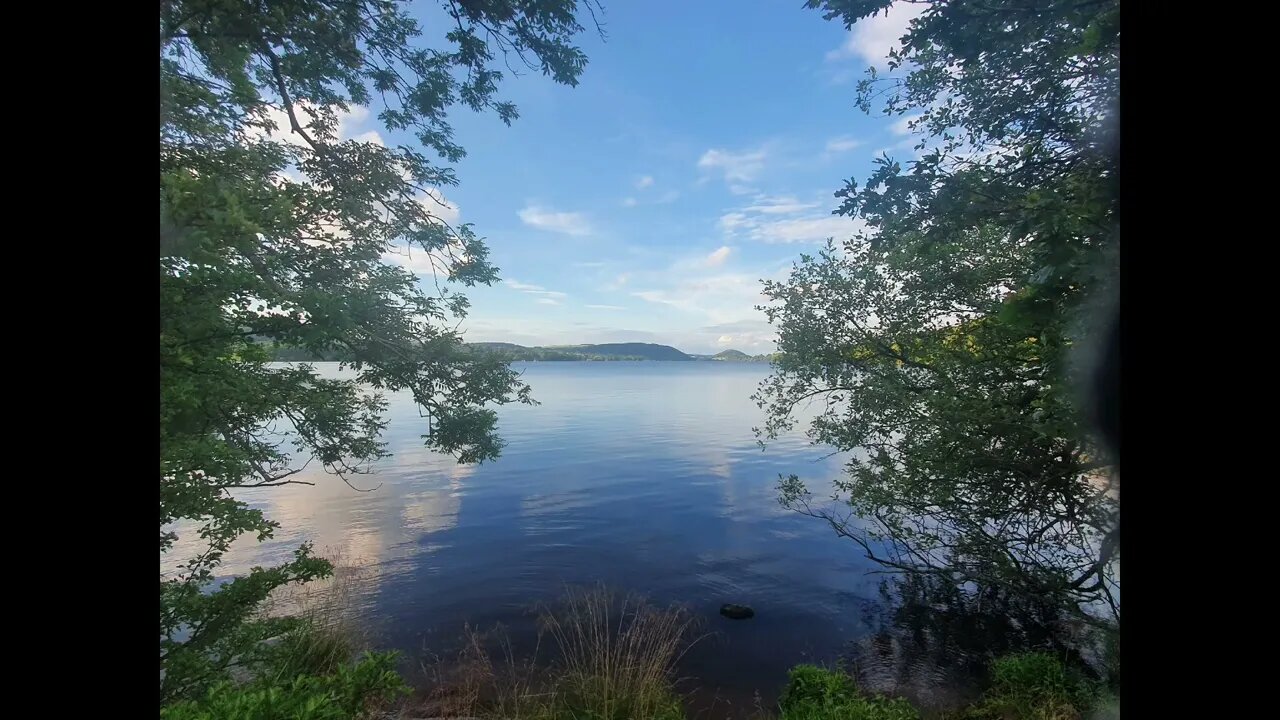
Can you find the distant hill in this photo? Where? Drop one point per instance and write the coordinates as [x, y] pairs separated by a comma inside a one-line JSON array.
[[604, 351]]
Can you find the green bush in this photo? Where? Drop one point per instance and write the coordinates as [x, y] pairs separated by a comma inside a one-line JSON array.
[[1034, 686], [349, 692], [814, 693]]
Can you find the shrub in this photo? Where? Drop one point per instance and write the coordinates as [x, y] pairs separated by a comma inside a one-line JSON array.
[[814, 693], [350, 692], [1034, 686]]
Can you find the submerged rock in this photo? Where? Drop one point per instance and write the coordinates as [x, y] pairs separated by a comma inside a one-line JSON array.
[[736, 612]]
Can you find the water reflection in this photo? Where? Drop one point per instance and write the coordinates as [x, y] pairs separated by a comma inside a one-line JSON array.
[[933, 642], [644, 476]]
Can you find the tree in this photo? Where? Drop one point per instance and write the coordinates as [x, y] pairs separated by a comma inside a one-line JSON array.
[[943, 339], [275, 230]]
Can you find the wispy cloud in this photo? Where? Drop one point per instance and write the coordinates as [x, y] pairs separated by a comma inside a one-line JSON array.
[[719, 298], [535, 290], [644, 182], [629, 202], [804, 230], [778, 205], [547, 301], [872, 38], [785, 220], [842, 144], [607, 307], [717, 258], [736, 167], [591, 264], [569, 223]]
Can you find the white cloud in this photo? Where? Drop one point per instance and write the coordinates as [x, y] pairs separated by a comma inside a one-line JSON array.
[[805, 230], [644, 182], [908, 146], [842, 144], [737, 167], [903, 125], [724, 339], [692, 265], [607, 307], [721, 298], [779, 205], [350, 123], [730, 222], [629, 202], [872, 38], [717, 258], [438, 205], [369, 137], [522, 286], [535, 290], [547, 301], [415, 260], [569, 223], [784, 220]]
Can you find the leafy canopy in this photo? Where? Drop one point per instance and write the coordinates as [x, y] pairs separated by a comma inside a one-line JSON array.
[[276, 229], [942, 339]]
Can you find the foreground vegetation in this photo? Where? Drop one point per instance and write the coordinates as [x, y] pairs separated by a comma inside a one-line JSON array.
[[605, 657]]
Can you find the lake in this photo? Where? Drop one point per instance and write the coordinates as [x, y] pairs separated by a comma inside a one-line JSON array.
[[644, 476]]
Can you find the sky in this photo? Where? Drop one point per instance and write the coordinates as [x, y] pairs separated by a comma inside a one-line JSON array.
[[699, 154]]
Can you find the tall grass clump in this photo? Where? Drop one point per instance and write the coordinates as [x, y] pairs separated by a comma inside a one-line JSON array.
[[326, 630], [616, 655], [611, 657]]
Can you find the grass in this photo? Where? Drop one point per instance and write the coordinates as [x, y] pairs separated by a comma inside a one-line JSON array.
[[328, 634], [1037, 686], [612, 659], [1026, 686], [814, 693]]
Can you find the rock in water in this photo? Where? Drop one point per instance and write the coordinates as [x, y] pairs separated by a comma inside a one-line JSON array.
[[736, 612]]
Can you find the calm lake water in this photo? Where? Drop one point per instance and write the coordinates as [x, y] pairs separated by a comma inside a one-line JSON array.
[[644, 476]]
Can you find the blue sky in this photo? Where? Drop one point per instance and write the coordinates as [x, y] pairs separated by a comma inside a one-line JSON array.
[[699, 154]]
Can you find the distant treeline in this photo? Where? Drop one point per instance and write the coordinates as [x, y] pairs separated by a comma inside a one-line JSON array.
[[511, 351], [604, 351]]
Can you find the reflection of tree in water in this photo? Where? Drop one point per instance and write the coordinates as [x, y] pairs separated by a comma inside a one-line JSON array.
[[935, 640]]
